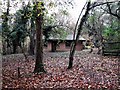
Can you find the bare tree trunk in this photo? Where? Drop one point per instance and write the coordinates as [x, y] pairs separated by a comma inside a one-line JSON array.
[[23, 51], [39, 45], [73, 47], [32, 35], [14, 46], [31, 50], [5, 28]]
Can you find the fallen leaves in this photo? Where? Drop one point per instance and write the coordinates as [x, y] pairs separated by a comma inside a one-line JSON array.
[[90, 71]]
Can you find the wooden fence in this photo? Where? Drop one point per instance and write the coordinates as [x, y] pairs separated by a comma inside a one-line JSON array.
[[111, 48]]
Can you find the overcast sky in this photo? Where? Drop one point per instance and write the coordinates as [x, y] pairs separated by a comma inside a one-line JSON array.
[[77, 8], [74, 12]]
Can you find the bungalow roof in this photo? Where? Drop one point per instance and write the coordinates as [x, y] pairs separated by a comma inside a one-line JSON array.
[[68, 37]]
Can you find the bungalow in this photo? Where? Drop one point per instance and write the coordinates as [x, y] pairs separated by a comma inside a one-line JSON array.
[[57, 44]]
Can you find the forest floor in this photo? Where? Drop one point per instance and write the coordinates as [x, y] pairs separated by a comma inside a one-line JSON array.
[[90, 71]]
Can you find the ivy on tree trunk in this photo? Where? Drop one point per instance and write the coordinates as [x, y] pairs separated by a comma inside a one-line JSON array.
[[39, 67]]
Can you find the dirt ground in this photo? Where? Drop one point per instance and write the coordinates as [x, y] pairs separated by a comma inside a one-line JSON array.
[[90, 71]]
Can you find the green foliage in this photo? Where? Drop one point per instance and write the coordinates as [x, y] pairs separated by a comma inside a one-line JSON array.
[[51, 4], [53, 19], [48, 20], [40, 8], [64, 12], [19, 30], [5, 26], [111, 34], [112, 31], [91, 19], [29, 12], [59, 33], [5, 29]]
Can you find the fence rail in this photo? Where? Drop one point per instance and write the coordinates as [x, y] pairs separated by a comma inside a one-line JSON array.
[[111, 48]]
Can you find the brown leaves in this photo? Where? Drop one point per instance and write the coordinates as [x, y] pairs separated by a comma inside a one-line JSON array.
[[89, 72]]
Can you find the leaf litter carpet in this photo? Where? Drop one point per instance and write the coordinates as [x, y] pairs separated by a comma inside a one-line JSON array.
[[90, 71]]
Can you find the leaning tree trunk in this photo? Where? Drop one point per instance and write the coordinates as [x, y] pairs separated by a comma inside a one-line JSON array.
[[73, 47], [39, 45]]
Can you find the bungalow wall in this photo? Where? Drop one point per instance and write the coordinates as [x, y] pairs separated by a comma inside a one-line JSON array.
[[64, 46]]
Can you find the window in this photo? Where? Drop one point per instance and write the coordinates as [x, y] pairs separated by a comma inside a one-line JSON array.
[[45, 45], [68, 43]]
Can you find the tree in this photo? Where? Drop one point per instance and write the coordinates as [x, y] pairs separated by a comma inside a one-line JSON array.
[[15, 30], [32, 29], [39, 67], [78, 33], [19, 32], [117, 11], [95, 27], [83, 19], [111, 31], [56, 23], [5, 28], [51, 26]]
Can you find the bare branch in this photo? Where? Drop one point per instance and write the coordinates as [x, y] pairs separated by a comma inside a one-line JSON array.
[[110, 11], [95, 5], [108, 5]]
